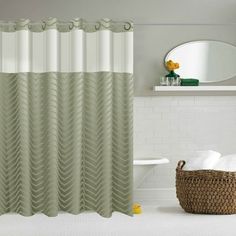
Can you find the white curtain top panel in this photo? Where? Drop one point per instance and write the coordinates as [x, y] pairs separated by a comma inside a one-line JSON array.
[[73, 51]]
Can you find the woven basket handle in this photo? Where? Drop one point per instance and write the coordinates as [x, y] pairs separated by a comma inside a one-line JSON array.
[[180, 164]]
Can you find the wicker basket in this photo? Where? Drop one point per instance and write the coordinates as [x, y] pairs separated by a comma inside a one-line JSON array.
[[206, 191]]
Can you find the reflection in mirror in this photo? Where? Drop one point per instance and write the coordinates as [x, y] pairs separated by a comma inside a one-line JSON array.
[[207, 61]]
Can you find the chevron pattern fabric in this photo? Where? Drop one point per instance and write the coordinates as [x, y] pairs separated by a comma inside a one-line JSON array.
[[66, 142]]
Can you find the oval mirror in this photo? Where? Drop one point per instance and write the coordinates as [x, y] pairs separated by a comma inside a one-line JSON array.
[[207, 61]]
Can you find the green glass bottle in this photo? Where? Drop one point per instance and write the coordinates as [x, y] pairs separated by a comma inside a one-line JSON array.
[[172, 74]]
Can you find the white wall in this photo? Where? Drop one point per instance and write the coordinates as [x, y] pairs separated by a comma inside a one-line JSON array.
[[171, 11], [175, 127]]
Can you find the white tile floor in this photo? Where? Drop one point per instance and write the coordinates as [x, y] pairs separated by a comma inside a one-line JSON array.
[[166, 220]]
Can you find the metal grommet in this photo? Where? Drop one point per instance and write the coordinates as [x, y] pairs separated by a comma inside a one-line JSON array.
[[43, 25], [71, 25], [127, 27], [98, 25]]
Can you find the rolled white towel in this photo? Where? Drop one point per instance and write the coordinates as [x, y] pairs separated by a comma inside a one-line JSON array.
[[226, 163], [204, 160]]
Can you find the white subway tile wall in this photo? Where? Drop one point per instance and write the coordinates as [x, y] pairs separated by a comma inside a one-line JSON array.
[[176, 126]]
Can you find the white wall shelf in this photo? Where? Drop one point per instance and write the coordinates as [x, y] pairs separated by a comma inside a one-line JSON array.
[[194, 88]]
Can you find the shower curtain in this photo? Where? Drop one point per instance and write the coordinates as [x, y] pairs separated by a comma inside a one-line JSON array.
[[66, 116]]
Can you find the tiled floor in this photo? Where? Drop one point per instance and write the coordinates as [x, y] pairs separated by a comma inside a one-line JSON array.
[[155, 221]]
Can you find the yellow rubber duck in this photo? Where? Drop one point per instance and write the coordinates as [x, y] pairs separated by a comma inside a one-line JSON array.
[[137, 208]]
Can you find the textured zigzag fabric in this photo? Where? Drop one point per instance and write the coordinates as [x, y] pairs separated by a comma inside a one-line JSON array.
[[66, 143], [66, 93]]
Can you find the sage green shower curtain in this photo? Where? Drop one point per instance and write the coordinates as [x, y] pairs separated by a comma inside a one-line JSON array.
[[66, 133]]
